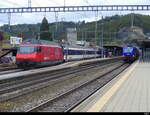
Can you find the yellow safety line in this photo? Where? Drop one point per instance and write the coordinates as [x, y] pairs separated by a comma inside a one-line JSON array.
[[104, 99]]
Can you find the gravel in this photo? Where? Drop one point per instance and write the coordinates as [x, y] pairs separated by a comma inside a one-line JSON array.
[[56, 87]]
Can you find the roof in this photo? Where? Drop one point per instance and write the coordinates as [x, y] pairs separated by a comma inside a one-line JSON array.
[[41, 42], [111, 46], [144, 43]]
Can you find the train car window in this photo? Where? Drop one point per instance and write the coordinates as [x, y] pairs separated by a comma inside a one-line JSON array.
[[90, 52], [71, 52], [27, 49], [74, 52]]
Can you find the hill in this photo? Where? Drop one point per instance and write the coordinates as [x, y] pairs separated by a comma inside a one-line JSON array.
[[116, 29]]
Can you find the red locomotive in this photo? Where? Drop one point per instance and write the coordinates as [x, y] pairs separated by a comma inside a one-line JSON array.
[[38, 53]]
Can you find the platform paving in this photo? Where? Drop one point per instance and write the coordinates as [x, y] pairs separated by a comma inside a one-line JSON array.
[[129, 92], [134, 94]]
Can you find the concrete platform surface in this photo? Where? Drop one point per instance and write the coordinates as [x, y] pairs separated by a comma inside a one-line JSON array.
[[129, 92]]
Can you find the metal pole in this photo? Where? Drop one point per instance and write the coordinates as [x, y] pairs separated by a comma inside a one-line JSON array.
[[9, 19], [82, 36], [56, 25], [132, 20], [96, 16], [64, 3], [9, 28], [102, 37], [38, 36], [29, 3]]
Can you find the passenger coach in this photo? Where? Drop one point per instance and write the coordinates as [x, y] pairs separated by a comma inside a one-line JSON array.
[[76, 53]]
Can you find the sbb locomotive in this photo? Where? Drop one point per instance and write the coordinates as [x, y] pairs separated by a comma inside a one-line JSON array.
[[130, 53], [35, 53]]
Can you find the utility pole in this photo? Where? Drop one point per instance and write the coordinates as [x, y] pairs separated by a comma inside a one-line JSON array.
[[56, 25], [9, 19], [102, 37], [132, 20], [29, 3], [64, 4], [38, 36], [96, 16]]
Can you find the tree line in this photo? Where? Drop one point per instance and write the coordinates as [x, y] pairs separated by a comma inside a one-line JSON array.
[[51, 31]]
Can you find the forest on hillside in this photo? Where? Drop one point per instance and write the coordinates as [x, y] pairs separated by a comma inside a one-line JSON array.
[[85, 30]]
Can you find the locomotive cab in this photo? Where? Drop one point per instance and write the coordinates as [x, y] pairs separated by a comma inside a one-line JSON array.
[[29, 49], [37, 53], [27, 56], [130, 54]]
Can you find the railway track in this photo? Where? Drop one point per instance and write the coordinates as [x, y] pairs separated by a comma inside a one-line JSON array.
[[62, 102], [11, 85], [13, 89], [10, 71], [6, 67]]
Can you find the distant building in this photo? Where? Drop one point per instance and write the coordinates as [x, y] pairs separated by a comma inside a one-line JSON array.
[[15, 40], [92, 44], [71, 36], [83, 43]]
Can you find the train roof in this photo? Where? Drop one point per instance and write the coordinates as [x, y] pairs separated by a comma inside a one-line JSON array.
[[130, 46], [109, 45], [46, 42], [40, 42], [78, 47]]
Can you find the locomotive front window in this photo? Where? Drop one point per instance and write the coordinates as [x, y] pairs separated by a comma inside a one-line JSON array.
[[27, 49], [128, 50]]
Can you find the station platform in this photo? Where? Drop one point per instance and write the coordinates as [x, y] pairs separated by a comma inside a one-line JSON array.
[[128, 92]]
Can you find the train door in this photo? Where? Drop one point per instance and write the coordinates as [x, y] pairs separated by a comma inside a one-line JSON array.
[[65, 54]]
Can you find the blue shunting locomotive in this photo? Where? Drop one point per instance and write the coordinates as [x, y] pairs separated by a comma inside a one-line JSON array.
[[130, 53]]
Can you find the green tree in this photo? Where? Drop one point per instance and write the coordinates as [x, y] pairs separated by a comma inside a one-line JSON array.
[[44, 30]]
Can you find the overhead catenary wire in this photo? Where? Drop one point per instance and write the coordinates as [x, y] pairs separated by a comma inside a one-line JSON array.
[[86, 1], [5, 4], [10, 2], [37, 3], [2, 5], [55, 2], [29, 3]]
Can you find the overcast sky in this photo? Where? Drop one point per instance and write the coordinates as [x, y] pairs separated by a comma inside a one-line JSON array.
[[75, 16]]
